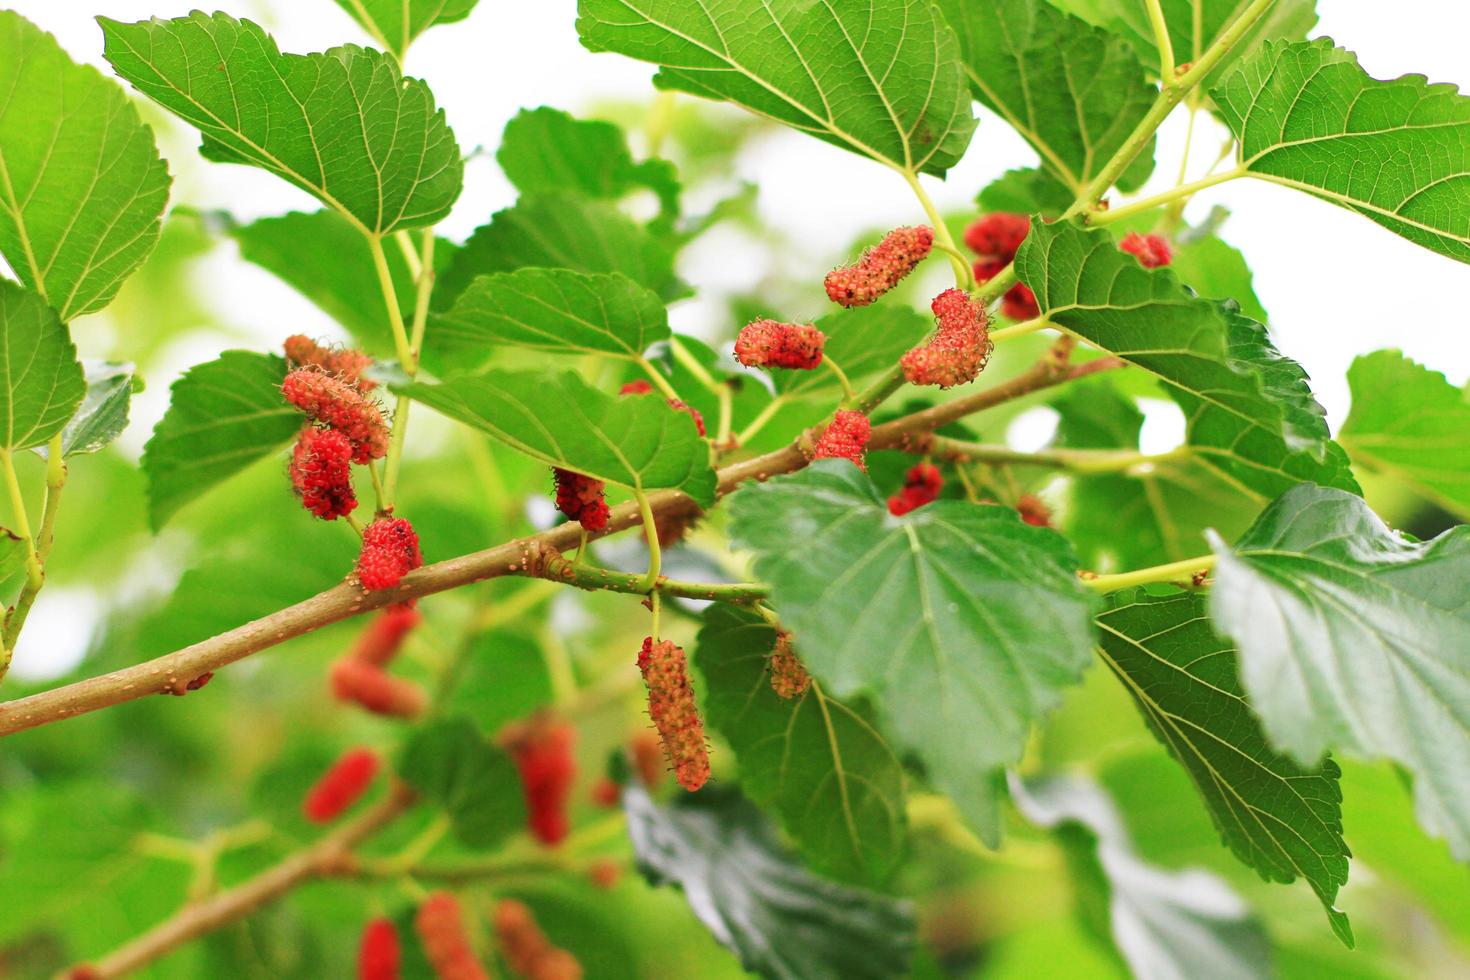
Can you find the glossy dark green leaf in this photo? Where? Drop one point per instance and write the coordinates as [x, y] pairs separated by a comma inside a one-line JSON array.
[[557, 311], [325, 259], [222, 416], [1279, 817], [781, 920], [1251, 416], [345, 125], [395, 23], [1163, 924], [1075, 92], [557, 418], [103, 414], [883, 80], [546, 151], [473, 782], [1353, 637], [1409, 424], [819, 763], [41, 381], [562, 231], [1307, 116], [963, 624], [84, 189], [863, 342]]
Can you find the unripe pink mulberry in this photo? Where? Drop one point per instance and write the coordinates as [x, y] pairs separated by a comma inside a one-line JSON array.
[[383, 637], [339, 405], [789, 678], [846, 437], [769, 343], [921, 486], [527, 950], [341, 786], [302, 351], [321, 472], [671, 706], [378, 953], [390, 550], [881, 268], [441, 927], [580, 498], [1152, 251], [961, 344], [375, 690]]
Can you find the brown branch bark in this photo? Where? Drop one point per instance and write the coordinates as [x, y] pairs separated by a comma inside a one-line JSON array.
[[165, 674], [322, 859]]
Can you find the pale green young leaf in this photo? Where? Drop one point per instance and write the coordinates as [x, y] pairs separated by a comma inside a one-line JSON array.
[[1353, 637], [638, 443], [41, 381], [1279, 817], [344, 125], [1397, 152], [1026, 190], [325, 259], [557, 311], [782, 921], [1409, 424], [222, 416], [562, 231], [863, 341], [395, 23], [1074, 91], [103, 414], [961, 623], [548, 151], [1251, 416], [818, 762], [83, 188], [883, 80], [1162, 924], [459, 771]]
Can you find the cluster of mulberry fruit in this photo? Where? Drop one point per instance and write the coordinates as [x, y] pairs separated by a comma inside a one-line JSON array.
[[770, 343], [881, 268], [336, 403], [995, 239], [846, 437], [960, 347], [671, 706], [361, 677], [921, 486], [542, 750], [580, 498]]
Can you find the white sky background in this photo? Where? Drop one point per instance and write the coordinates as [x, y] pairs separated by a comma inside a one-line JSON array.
[[1336, 285]]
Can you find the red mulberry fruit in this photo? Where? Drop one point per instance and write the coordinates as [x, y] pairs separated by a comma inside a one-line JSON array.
[[1033, 511], [881, 268], [846, 437], [1152, 251], [302, 351], [768, 343], [542, 750], [338, 404], [341, 786], [691, 411], [789, 678], [390, 550], [580, 498], [321, 473], [375, 690], [960, 348], [441, 926], [381, 639], [1019, 303], [636, 387], [527, 950], [378, 954], [671, 706], [921, 486], [648, 762], [606, 793], [998, 235]]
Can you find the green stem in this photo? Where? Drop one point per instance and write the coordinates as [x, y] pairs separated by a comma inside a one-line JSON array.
[[1075, 460], [404, 241], [836, 369], [650, 534], [22, 520], [56, 472], [593, 578], [1175, 571], [655, 606], [963, 275], [1162, 41], [372, 469], [1180, 194], [390, 300], [558, 668], [408, 349], [955, 253], [759, 422], [682, 355], [726, 418], [659, 381], [1019, 330]]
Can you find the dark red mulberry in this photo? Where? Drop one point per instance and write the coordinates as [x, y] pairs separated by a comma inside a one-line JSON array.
[[921, 486], [581, 498], [321, 472], [390, 550], [997, 235], [542, 749]]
